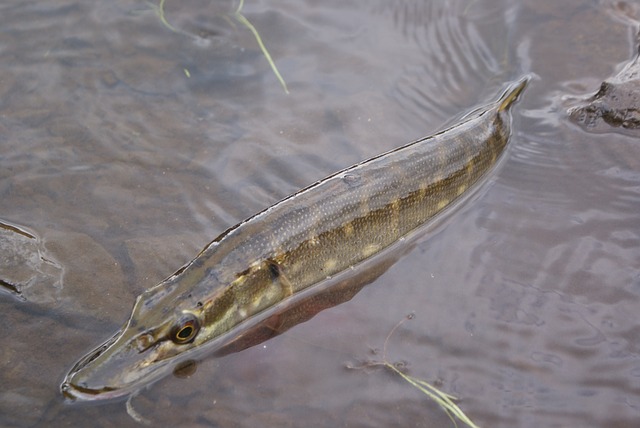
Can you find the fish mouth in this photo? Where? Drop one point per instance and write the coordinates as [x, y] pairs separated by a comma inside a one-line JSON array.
[[93, 355], [90, 379], [112, 370], [81, 387], [73, 393]]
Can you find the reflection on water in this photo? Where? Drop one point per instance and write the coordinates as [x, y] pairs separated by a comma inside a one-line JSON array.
[[123, 167]]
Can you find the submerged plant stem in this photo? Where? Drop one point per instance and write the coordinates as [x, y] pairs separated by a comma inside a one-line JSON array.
[[160, 11], [244, 21], [444, 400]]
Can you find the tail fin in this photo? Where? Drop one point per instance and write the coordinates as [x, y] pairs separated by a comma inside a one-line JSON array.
[[512, 93]]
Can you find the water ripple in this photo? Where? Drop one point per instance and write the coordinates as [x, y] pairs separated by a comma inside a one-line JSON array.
[[456, 60]]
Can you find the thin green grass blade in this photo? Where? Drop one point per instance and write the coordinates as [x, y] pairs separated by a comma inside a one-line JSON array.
[[244, 21], [443, 399], [160, 12]]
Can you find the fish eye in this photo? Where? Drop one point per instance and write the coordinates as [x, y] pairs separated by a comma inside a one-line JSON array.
[[185, 330]]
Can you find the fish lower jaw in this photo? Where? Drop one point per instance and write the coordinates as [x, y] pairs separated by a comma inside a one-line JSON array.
[[73, 393]]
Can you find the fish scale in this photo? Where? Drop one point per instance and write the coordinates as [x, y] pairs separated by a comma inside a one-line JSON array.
[[328, 228]]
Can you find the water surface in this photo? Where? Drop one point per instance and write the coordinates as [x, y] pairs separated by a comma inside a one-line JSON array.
[[127, 144]]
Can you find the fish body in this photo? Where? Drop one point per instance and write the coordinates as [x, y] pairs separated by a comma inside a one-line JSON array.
[[328, 228]]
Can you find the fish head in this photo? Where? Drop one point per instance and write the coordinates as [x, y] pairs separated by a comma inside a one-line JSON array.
[[163, 327]]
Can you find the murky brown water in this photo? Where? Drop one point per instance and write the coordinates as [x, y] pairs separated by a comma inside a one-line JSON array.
[[126, 146]]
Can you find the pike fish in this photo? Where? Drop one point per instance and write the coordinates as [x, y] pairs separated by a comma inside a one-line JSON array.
[[288, 250]]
